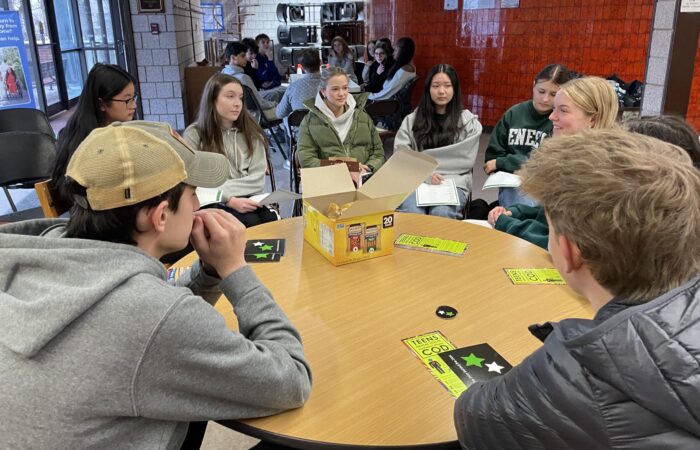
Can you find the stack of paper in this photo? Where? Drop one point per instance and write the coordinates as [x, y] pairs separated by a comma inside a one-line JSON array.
[[502, 179], [444, 193], [208, 196]]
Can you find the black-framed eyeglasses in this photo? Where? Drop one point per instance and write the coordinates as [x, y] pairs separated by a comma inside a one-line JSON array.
[[128, 101]]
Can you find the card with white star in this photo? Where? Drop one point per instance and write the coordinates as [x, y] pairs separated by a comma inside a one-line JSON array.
[[258, 246], [475, 363]]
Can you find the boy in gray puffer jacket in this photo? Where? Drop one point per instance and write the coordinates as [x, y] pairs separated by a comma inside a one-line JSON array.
[[624, 231]]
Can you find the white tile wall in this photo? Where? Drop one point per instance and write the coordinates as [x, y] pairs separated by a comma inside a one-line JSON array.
[[659, 57], [161, 58]]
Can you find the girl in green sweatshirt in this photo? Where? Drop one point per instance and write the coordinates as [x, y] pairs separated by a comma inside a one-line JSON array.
[[522, 128]]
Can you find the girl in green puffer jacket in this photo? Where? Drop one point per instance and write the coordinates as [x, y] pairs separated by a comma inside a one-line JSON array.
[[337, 125]]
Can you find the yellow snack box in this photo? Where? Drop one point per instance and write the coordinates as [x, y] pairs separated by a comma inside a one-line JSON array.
[[361, 225]]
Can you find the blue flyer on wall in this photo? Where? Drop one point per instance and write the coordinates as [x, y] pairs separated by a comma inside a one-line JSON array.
[[15, 77]]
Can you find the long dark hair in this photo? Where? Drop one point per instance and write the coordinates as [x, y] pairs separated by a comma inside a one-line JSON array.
[[207, 123], [406, 48], [430, 130], [103, 82]]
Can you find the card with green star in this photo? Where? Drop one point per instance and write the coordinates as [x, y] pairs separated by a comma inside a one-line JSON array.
[[475, 363], [262, 257], [257, 246]]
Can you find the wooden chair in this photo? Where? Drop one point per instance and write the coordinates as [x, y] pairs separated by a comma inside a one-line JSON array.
[[49, 207], [195, 79]]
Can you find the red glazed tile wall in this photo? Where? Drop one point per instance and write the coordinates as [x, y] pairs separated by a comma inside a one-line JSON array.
[[693, 115], [497, 52]]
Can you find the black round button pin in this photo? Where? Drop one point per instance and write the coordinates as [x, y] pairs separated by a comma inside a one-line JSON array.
[[446, 312]]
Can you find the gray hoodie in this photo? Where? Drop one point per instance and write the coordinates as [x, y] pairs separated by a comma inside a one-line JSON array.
[[98, 351]]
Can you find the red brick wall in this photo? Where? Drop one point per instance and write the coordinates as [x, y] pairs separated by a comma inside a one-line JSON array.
[[497, 52], [693, 115]]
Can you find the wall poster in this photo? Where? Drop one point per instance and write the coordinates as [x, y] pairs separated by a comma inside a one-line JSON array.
[[15, 77]]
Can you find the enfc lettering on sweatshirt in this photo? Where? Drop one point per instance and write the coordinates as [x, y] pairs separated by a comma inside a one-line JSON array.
[[525, 136]]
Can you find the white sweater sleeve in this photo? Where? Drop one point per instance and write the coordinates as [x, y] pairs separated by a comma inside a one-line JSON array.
[[393, 86]]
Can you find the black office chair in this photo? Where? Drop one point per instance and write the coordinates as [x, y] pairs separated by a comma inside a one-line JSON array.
[[270, 171], [294, 121], [379, 109], [25, 119], [359, 67], [384, 111], [25, 159], [404, 99], [251, 103]]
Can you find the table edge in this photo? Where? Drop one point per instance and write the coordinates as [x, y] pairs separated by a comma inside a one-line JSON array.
[[307, 444]]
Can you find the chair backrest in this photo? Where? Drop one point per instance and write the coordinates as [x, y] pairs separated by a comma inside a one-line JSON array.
[[404, 99], [294, 119], [251, 103], [382, 108], [46, 198], [25, 158], [359, 67], [270, 171], [25, 119]]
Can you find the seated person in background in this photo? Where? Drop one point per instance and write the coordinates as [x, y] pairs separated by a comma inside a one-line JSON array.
[[236, 52], [368, 59], [351, 134], [521, 129], [624, 223], [268, 74], [251, 67], [440, 128], [342, 57], [582, 103], [97, 350], [401, 73], [268, 78], [671, 129], [303, 88], [224, 126], [109, 95], [383, 62]]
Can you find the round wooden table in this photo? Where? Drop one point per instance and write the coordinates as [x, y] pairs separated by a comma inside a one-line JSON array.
[[368, 388]]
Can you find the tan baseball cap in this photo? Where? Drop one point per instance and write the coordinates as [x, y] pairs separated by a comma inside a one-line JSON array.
[[129, 162]]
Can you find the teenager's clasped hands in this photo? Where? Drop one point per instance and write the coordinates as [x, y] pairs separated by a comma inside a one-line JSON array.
[[219, 240]]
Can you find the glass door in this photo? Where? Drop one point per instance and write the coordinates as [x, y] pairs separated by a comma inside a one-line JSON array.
[[99, 43], [65, 38], [71, 37]]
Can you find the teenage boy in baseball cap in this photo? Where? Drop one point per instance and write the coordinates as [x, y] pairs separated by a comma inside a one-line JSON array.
[[96, 349]]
